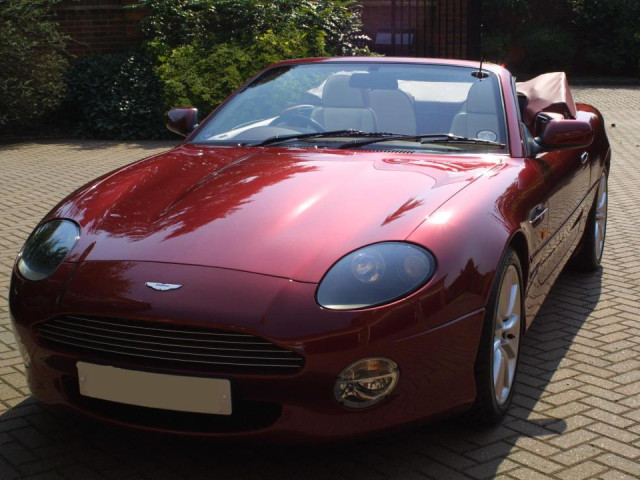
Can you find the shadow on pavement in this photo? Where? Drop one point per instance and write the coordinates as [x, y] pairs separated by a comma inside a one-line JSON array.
[[37, 439]]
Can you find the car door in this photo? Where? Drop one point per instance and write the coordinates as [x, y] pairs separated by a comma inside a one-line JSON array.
[[567, 178]]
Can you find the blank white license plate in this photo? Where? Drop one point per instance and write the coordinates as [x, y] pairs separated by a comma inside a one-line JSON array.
[[156, 390]]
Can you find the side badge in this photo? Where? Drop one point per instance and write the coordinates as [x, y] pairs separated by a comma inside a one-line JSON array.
[[163, 287]]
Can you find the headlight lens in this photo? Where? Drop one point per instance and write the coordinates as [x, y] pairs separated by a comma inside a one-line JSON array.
[[366, 382], [46, 248], [374, 275]]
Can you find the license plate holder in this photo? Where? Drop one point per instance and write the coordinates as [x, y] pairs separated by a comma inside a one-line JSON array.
[[155, 390]]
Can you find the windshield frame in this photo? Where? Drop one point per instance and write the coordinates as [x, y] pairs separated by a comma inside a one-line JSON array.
[[363, 62]]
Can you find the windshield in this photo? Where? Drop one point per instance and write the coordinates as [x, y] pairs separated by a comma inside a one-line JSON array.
[[322, 103]]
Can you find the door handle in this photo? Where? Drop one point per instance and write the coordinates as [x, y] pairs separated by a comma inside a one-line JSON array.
[[584, 157], [537, 215]]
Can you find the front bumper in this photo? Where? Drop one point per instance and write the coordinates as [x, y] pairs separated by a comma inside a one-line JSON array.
[[436, 361]]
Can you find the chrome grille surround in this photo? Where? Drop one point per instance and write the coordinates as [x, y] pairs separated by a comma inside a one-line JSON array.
[[181, 346]]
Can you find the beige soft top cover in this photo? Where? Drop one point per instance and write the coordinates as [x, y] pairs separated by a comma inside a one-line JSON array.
[[547, 93]]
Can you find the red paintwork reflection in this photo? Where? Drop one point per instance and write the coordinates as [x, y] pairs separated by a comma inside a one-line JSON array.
[[244, 208], [567, 133]]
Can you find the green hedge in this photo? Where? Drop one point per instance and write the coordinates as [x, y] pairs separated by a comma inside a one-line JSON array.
[[116, 97], [174, 23], [590, 37], [32, 62], [207, 48], [204, 77]]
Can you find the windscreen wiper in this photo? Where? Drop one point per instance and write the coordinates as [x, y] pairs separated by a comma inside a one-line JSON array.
[[451, 138], [300, 136], [424, 138]]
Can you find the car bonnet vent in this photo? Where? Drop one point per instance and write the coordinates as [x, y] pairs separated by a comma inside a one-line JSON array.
[[399, 150]]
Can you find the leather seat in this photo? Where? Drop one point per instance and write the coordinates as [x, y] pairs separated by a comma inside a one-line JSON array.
[[394, 110], [480, 112], [344, 107]]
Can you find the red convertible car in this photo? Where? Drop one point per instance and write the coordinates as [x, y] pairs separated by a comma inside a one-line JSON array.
[[343, 246]]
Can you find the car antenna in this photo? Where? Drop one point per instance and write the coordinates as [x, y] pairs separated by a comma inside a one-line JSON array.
[[480, 74]]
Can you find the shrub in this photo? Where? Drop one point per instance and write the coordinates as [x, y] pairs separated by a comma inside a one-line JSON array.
[[609, 38], [174, 23], [208, 48], [116, 96], [194, 75], [32, 59], [496, 46], [546, 49], [598, 36]]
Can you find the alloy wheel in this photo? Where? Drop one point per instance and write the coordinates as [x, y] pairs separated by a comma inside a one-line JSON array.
[[506, 339], [600, 229]]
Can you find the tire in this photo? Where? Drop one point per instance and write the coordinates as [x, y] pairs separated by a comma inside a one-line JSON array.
[[499, 350], [589, 257]]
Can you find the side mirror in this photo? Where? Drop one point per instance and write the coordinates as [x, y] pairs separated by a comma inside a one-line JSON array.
[[565, 135], [182, 120]]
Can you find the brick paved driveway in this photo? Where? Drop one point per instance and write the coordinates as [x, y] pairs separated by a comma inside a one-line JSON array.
[[576, 413]]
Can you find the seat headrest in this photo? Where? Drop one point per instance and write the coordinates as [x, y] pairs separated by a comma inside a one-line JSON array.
[[338, 93], [481, 98], [391, 96]]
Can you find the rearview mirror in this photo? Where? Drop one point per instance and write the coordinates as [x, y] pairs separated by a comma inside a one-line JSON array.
[[373, 81], [182, 120], [565, 134]]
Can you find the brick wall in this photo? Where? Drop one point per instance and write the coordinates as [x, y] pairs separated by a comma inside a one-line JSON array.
[[432, 28], [99, 26]]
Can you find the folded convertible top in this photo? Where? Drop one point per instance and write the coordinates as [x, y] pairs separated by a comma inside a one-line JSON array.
[[548, 92]]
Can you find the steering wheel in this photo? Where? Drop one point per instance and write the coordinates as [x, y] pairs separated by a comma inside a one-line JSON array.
[[295, 117]]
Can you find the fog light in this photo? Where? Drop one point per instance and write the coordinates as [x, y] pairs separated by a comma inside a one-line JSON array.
[[366, 382]]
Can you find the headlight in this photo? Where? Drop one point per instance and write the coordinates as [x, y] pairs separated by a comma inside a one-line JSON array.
[[374, 275], [366, 382], [46, 248]]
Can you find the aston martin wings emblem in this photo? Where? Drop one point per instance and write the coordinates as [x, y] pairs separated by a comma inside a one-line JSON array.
[[163, 287]]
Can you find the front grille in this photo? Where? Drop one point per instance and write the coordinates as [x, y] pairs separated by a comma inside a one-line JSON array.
[[168, 345]]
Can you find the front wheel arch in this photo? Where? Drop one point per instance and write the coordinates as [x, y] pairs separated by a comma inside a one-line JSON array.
[[487, 408], [519, 244]]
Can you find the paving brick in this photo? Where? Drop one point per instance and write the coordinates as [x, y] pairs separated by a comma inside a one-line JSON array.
[[627, 466], [613, 407], [490, 468], [609, 444], [535, 461], [437, 471], [30, 437], [630, 389], [574, 438], [577, 454], [525, 473], [583, 470], [7, 472], [612, 432], [610, 418], [564, 397], [616, 475], [16, 454], [567, 410], [495, 450], [535, 446]]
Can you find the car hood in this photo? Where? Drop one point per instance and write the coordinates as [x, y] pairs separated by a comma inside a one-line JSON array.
[[283, 212]]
